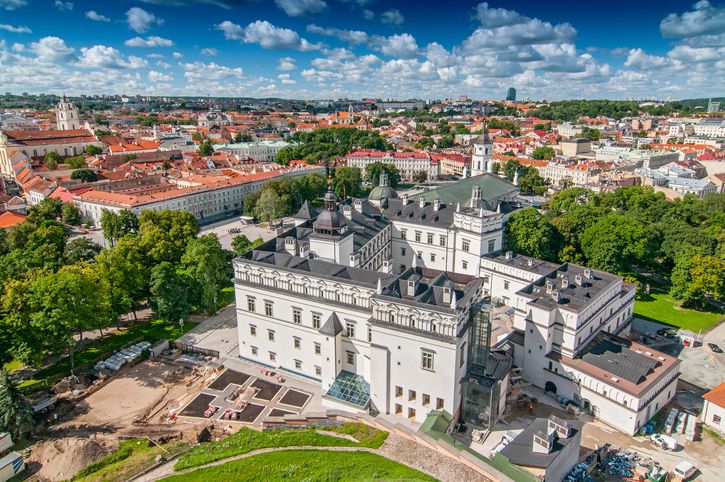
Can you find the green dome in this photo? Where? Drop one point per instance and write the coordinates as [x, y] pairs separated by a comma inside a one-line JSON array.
[[381, 191]]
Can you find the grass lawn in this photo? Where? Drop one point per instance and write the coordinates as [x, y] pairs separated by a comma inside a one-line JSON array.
[[288, 465], [247, 440], [113, 341], [225, 298], [131, 457], [656, 307], [13, 366]]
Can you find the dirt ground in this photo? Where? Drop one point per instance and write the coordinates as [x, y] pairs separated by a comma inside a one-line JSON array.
[[134, 405]]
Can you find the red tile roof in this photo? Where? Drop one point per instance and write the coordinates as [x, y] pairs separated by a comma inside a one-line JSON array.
[[8, 219], [716, 395]]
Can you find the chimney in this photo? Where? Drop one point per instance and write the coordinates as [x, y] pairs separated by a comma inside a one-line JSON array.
[[436, 204], [509, 255], [412, 284], [355, 260], [549, 287], [405, 199], [290, 245], [447, 291], [531, 262], [564, 283], [578, 279], [358, 203], [588, 273], [555, 295], [543, 443], [421, 202], [379, 290], [347, 211], [454, 301]]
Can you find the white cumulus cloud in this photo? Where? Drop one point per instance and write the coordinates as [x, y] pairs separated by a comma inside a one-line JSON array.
[[140, 20], [267, 36], [159, 77], [393, 17], [102, 57], [177, 55], [285, 78], [18, 29], [151, 41], [297, 8], [353, 37], [97, 16], [402, 46], [287, 63], [209, 52], [13, 4], [163, 65], [63, 6], [53, 49], [211, 71], [703, 19]]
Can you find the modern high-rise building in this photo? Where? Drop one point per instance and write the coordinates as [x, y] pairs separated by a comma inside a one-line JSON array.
[[511, 94]]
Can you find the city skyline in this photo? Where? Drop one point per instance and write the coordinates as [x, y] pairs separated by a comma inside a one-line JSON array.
[[316, 49]]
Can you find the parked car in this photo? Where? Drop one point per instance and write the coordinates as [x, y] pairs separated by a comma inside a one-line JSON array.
[[714, 348], [684, 470], [667, 443]]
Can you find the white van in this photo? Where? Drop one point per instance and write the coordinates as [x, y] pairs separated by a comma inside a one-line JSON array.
[[684, 470], [667, 443]]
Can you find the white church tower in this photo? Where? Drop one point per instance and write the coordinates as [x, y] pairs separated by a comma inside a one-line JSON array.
[[66, 115], [482, 159]]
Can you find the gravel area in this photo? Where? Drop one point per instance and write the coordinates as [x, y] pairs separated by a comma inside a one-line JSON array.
[[429, 461]]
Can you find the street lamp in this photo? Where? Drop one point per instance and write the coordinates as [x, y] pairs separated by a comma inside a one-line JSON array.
[[181, 324]]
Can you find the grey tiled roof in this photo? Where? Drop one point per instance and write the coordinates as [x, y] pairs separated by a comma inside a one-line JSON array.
[[621, 361], [332, 326]]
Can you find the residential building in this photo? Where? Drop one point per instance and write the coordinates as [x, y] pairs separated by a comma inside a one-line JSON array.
[[574, 147], [262, 151], [407, 163], [713, 411], [454, 164]]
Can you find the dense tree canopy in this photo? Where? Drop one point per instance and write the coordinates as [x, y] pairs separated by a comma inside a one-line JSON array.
[[327, 143], [374, 169]]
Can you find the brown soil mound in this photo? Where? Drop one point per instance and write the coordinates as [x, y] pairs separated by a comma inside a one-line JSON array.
[[62, 459]]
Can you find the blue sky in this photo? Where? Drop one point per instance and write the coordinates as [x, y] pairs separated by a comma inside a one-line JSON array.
[[316, 49]]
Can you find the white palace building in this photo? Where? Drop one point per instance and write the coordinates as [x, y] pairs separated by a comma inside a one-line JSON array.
[[387, 303]]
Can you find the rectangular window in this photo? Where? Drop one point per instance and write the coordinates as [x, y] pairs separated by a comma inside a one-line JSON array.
[[252, 330], [716, 419], [250, 304], [398, 409], [492, 246], [270, 334], [318, 371], [432, 257], [297, 343], [350, 358], [427, 362], [268, 308], [398, 391], [297, 317], [465, 264], [318, 349], [272, 356], [350, 329], [505, 285], [443, 240], [411, 413], [462, 355], [411, 395], [420, 254], [370, 334], [402, 268], [417, 236], [430, 238], [298, 365], [465, 245], [316, 321], [403, 234], [254, 351], [439, 404], [426, 399], [402, 251]]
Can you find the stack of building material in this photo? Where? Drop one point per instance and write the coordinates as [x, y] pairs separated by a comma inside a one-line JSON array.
[[681, 422], [690, 429], [671, 420]]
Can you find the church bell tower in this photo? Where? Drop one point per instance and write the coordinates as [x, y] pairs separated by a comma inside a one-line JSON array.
[[66, 115]]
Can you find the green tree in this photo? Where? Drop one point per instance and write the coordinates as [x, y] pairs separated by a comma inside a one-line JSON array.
[[85, 175], [206, 148], [81, 250], [605, 253], [270, 206], [566, 183], [130, 157], [347, 182], [71, 214], [238, 137], [52, 159], [165, 234], [543, 153], [49, 209], [250, 203], [206, 265], [124, 271], [531, 181], [16, 415], [374, 169], [169, 293], [420, 177], [695, 275], [529, 233], [78, 162], [241, 244], [110, 225], [19, 234], [92, 150]]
